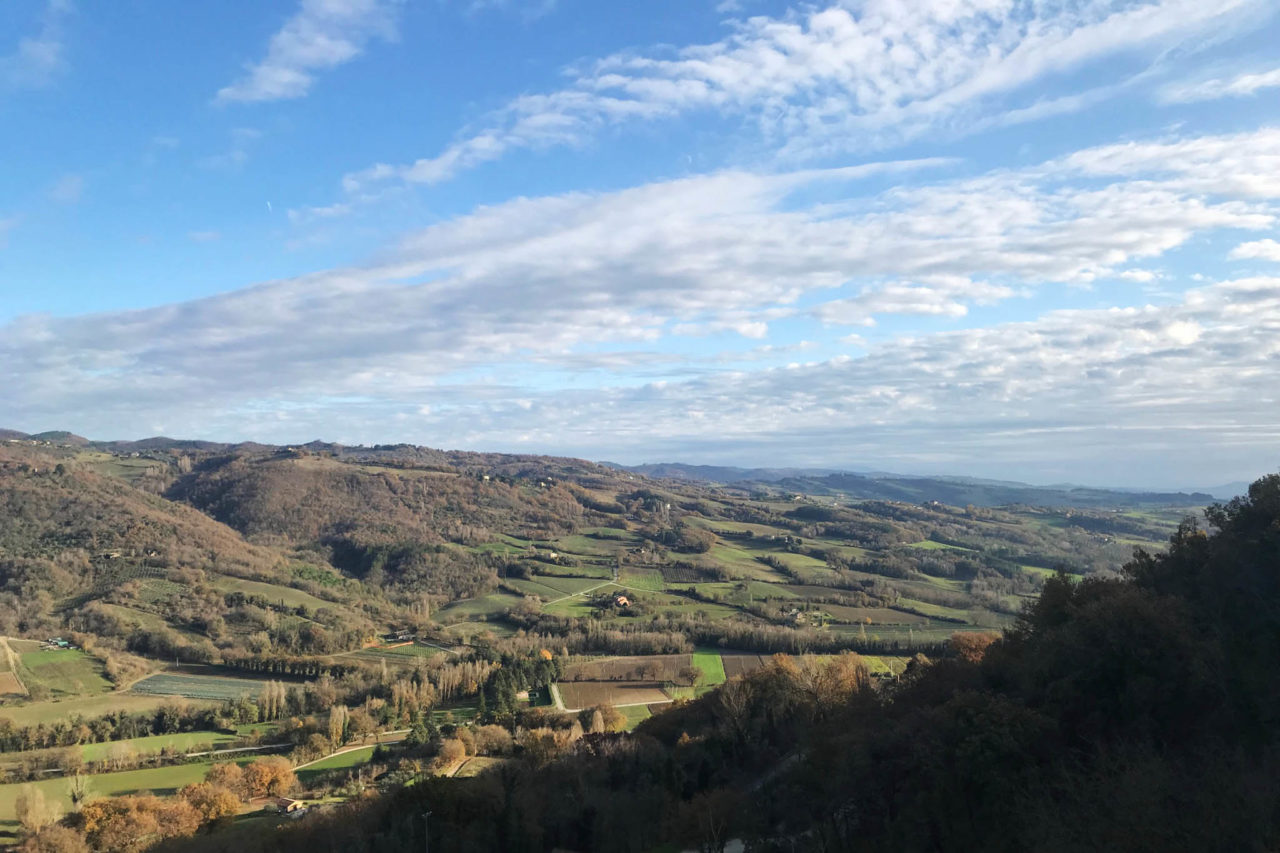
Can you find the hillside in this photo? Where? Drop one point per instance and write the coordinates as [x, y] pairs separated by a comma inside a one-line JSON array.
[[84, 550], [392, 530]]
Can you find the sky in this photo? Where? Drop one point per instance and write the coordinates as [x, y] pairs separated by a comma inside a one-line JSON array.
[[1027, 240]]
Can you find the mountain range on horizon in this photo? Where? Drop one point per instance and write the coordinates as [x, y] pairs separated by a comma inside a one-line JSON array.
[[837, 482]]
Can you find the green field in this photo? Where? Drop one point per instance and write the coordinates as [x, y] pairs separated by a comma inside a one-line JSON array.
[[157, 780], [635, 714], [184, 742], [64, 672], [494, 604], [712, 667], [342, 761], [406, 654], [934, 609], [464, 630], [88, 706], [271, 592], [649, 579], [549, 588], [575, 606]]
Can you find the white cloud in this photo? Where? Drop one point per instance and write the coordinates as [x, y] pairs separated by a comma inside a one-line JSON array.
[[203, 236], [1266, 250], [470, 316], [37, 59], [847, 77], [322, 34], [1239, 86], [6, 225]]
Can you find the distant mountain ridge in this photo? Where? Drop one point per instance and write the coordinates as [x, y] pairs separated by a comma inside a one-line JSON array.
[[833, 482], [957, 491]]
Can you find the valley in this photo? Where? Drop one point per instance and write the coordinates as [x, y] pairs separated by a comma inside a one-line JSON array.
[[165, 603]]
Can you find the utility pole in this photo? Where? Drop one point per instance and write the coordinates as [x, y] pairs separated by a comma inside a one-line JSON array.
[[426, 832]]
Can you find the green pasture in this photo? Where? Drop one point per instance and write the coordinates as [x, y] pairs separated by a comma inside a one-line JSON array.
[[31, 713], [650, 579], [877, 615], [494, 604], [575, 606], [157, 780], [635, 714], [712, 667], [271, 592], [935, 610], [463, 630], [64, 672], [930, 545], [341, 761]]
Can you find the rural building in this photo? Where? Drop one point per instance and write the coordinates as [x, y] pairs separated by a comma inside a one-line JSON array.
[[279, 805], [621, 601]]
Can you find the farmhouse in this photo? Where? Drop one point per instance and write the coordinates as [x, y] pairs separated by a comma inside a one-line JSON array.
[[621, 601], [279, 805]]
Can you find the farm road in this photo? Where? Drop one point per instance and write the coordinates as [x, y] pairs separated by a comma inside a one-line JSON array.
[[12, 658], [583, 592], [391, 738]]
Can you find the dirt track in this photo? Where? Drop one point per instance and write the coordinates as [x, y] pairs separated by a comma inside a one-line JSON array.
[[11, 658]]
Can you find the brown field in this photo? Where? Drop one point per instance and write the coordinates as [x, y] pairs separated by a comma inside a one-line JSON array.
[[584, 694], [647, 668], [10, 686], [741, 664]]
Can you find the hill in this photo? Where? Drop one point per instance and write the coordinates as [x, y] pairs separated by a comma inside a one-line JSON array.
[[84, 550]]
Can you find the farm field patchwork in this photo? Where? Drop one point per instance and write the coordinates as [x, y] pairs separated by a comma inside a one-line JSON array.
[[633, 668]]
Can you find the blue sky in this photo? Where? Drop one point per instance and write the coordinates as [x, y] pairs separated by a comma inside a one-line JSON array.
[[1025, 240]]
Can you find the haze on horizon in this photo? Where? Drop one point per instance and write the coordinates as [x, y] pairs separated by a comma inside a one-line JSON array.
[[1034, 242]]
